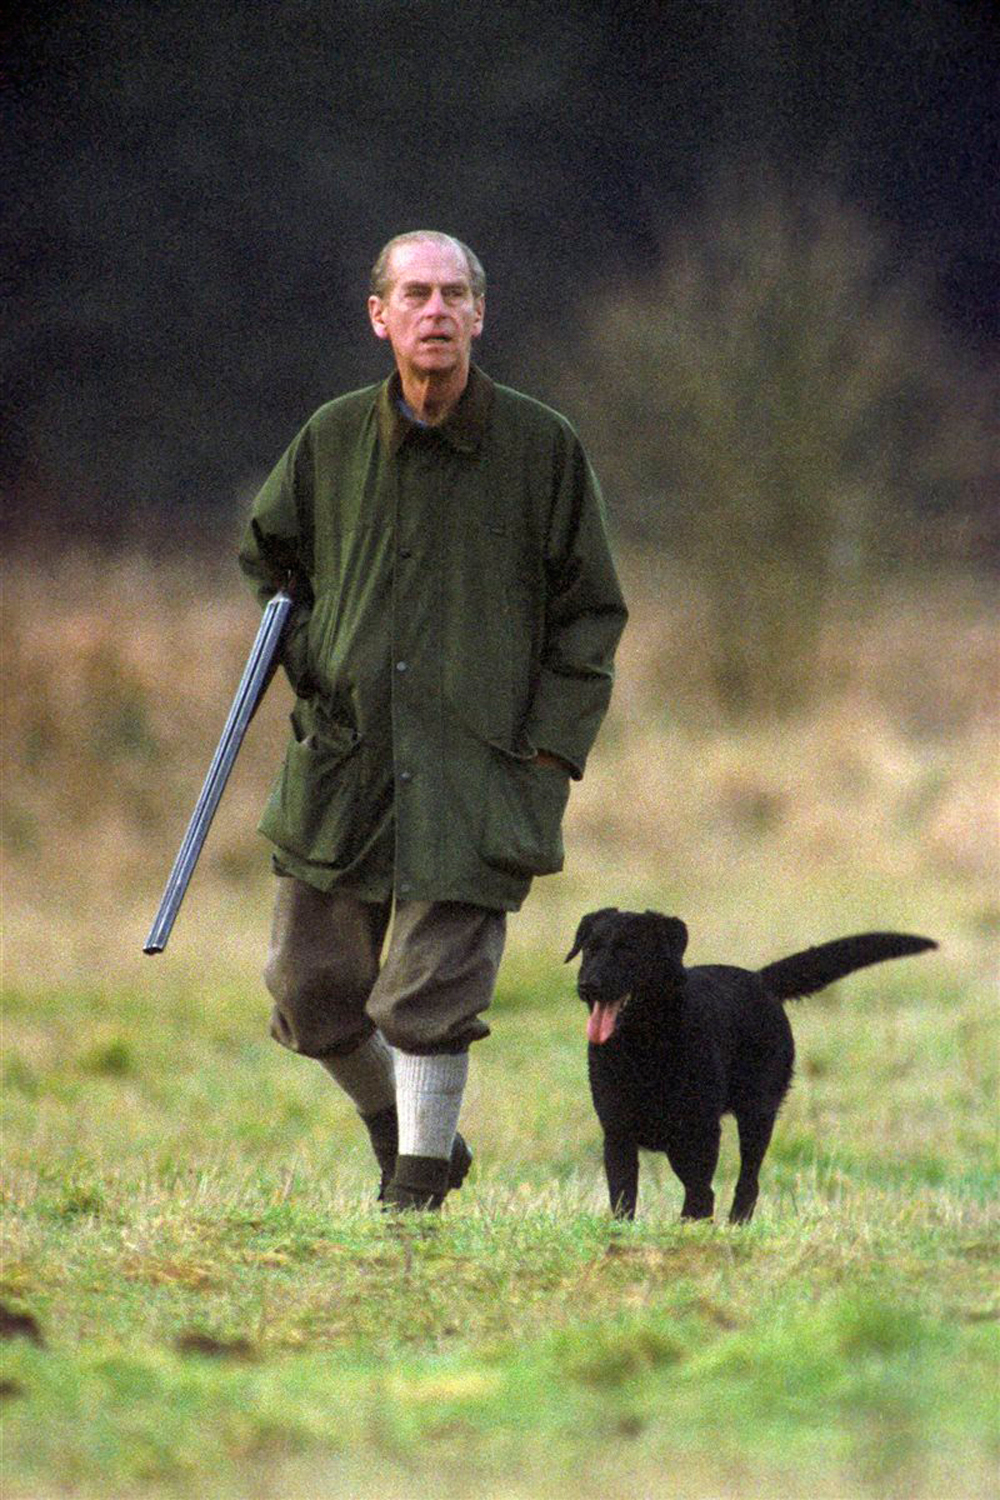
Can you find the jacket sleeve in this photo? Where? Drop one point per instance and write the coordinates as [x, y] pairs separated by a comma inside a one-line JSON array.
[[585, 615], [276, 552]]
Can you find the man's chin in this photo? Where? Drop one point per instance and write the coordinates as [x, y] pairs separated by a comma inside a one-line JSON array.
[[439, 360]]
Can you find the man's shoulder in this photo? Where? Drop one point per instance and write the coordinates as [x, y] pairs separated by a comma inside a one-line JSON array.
[[343, 411], [531, 413]]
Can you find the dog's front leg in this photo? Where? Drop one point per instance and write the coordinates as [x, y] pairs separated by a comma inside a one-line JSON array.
[[694, 1159], [621, 1166]]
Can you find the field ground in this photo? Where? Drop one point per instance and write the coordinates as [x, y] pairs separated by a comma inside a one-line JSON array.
[[188, 1219], [202, 1298]]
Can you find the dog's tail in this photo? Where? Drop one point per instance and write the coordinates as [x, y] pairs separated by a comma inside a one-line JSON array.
[[805, 973]]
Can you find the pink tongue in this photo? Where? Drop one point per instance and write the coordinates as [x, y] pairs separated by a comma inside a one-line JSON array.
[[601, 1022]]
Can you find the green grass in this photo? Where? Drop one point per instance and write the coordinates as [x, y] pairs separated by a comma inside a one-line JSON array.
[[188, 1218], [170, 1178]]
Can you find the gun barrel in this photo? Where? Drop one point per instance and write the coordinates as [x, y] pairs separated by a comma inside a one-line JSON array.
[[256, 676]]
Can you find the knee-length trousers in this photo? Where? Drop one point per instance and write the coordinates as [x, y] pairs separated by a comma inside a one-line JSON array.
[[332, 985]]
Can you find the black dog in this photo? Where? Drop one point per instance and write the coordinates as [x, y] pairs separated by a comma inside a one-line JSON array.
[[673, 1049]]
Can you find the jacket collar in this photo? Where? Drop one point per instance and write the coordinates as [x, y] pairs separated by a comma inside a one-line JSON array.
[[464, 427]]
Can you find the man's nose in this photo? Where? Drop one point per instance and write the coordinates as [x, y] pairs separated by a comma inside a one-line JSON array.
[[435, 304]]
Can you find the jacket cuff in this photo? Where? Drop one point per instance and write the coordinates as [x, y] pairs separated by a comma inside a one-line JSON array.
[[566, 715], [569, 766], [295, 652], [552, 742]]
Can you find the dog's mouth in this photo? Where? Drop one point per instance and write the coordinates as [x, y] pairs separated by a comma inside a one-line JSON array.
[[603, 1019]]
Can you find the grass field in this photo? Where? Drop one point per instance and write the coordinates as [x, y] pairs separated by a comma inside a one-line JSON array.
[[199, 1296]]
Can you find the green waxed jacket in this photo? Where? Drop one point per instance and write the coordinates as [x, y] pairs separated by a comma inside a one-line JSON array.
[[459, 611]]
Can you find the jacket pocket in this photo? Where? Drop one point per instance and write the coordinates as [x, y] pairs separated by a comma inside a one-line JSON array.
[[522, 825], [313, 810]]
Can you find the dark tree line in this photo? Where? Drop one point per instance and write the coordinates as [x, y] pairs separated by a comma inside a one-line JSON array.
[[195, 194]]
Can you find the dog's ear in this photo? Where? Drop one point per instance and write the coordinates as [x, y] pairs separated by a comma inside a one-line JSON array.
[[585, 928], [670, 937]]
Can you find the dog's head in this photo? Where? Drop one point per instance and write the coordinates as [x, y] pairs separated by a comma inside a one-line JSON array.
[[631, 960]]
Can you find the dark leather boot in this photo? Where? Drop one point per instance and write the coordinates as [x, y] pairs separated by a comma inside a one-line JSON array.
[[383, 1130], [419, 1184]]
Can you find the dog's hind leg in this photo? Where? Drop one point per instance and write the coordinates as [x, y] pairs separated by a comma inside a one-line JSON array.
[[621, 1165], [694, 1160], [755, 1136]]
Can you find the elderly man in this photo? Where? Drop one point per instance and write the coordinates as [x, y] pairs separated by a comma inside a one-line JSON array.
[[451, 653]]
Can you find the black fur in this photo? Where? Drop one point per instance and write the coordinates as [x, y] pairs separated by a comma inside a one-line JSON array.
[[674, 1049]]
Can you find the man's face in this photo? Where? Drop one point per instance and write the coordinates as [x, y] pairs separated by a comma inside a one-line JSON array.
[[429, 314]]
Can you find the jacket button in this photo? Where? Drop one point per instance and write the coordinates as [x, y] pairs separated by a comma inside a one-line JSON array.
[[406, 775], [401, 666]]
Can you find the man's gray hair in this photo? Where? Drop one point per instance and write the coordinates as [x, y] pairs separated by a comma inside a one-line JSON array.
[[380, 283]]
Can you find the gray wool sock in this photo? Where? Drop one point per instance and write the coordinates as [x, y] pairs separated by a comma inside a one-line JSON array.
[[429, 1094], [367, 1075]]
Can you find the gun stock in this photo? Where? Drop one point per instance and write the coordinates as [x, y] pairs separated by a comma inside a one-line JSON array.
[[253, 684]]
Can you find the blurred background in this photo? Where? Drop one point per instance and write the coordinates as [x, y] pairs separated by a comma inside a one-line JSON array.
[[750, 248]]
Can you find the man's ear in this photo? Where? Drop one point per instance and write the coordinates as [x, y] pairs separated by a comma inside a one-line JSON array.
[[585, 928], [376, 312]]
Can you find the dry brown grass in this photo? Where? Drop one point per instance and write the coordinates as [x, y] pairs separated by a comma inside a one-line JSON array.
[[118, 674], [186, 1208]]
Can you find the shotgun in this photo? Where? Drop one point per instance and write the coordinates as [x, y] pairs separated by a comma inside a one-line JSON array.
[[253, 684]]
